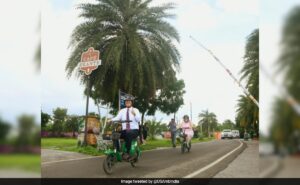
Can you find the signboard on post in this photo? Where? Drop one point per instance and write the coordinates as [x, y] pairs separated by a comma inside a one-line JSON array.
[[89, 61]]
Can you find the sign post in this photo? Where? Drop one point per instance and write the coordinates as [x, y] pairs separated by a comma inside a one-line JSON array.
[[89, 62]]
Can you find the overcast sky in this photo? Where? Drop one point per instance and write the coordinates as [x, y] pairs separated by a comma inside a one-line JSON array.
[[19, 78], [273, 13], [221, 25]]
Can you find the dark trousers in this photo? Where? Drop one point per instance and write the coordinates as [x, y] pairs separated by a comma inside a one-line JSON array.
[[173, 137], [128, 136]]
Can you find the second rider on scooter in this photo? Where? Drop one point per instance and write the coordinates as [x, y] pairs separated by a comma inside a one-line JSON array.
[[188, 128]]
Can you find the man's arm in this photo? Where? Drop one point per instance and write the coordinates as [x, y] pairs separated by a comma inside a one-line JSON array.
[[118, 117]]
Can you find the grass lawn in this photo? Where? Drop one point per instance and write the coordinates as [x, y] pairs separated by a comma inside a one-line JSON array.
[[70, 144], [58, 143], [28, 162]]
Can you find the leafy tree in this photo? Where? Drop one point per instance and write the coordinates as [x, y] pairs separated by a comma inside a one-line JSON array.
[[4, 129], [285, 128], [136, 45], [167, 100], [171, 98], [164, 127], [208, 122], [45, 118], [228, 124], [59, 118], [247, 111], [26, 128], [73, 124], [155, 128], [219, 127]]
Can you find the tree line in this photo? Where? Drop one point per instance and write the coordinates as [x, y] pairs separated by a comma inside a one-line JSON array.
[[22, 137], [61, 122]]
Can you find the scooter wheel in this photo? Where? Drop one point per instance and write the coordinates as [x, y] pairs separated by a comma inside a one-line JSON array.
[[135, 160], [108, 165]]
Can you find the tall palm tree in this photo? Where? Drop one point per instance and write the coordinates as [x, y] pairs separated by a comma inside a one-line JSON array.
[[250, 70], [247, 111], [136, 45], [208, 121], [247, 114]]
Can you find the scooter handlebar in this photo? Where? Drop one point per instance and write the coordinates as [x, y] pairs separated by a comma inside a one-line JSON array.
[[121, 121]]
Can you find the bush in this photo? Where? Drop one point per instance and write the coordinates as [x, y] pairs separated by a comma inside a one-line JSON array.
[[200, 136], [155, 128]]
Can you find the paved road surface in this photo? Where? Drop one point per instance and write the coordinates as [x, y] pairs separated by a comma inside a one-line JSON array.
[[156, 163], [246, 165]]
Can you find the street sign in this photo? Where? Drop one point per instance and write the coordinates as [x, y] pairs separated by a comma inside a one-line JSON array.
[[89, 61]]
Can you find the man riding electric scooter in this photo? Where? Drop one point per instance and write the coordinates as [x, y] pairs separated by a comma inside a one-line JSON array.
[[130, 129]]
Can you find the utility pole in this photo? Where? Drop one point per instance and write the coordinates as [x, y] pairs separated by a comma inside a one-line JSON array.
[[87, 110]]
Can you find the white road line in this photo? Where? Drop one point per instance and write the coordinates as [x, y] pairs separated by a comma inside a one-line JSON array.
[[213, 163], [76, 159]]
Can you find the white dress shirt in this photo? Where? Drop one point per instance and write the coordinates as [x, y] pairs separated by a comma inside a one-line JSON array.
[[122, 116]]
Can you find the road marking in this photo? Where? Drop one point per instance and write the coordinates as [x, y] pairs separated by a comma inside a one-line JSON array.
[[76, 159], [213, 163]]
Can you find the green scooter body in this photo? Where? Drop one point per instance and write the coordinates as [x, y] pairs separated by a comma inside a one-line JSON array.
[[133, 150]]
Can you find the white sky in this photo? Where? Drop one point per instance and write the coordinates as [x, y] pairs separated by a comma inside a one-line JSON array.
[[271, 22], [19, 78], [221, 25]]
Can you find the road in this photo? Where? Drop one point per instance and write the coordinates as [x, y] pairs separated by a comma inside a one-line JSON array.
[[273, 166], [162, 163]]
